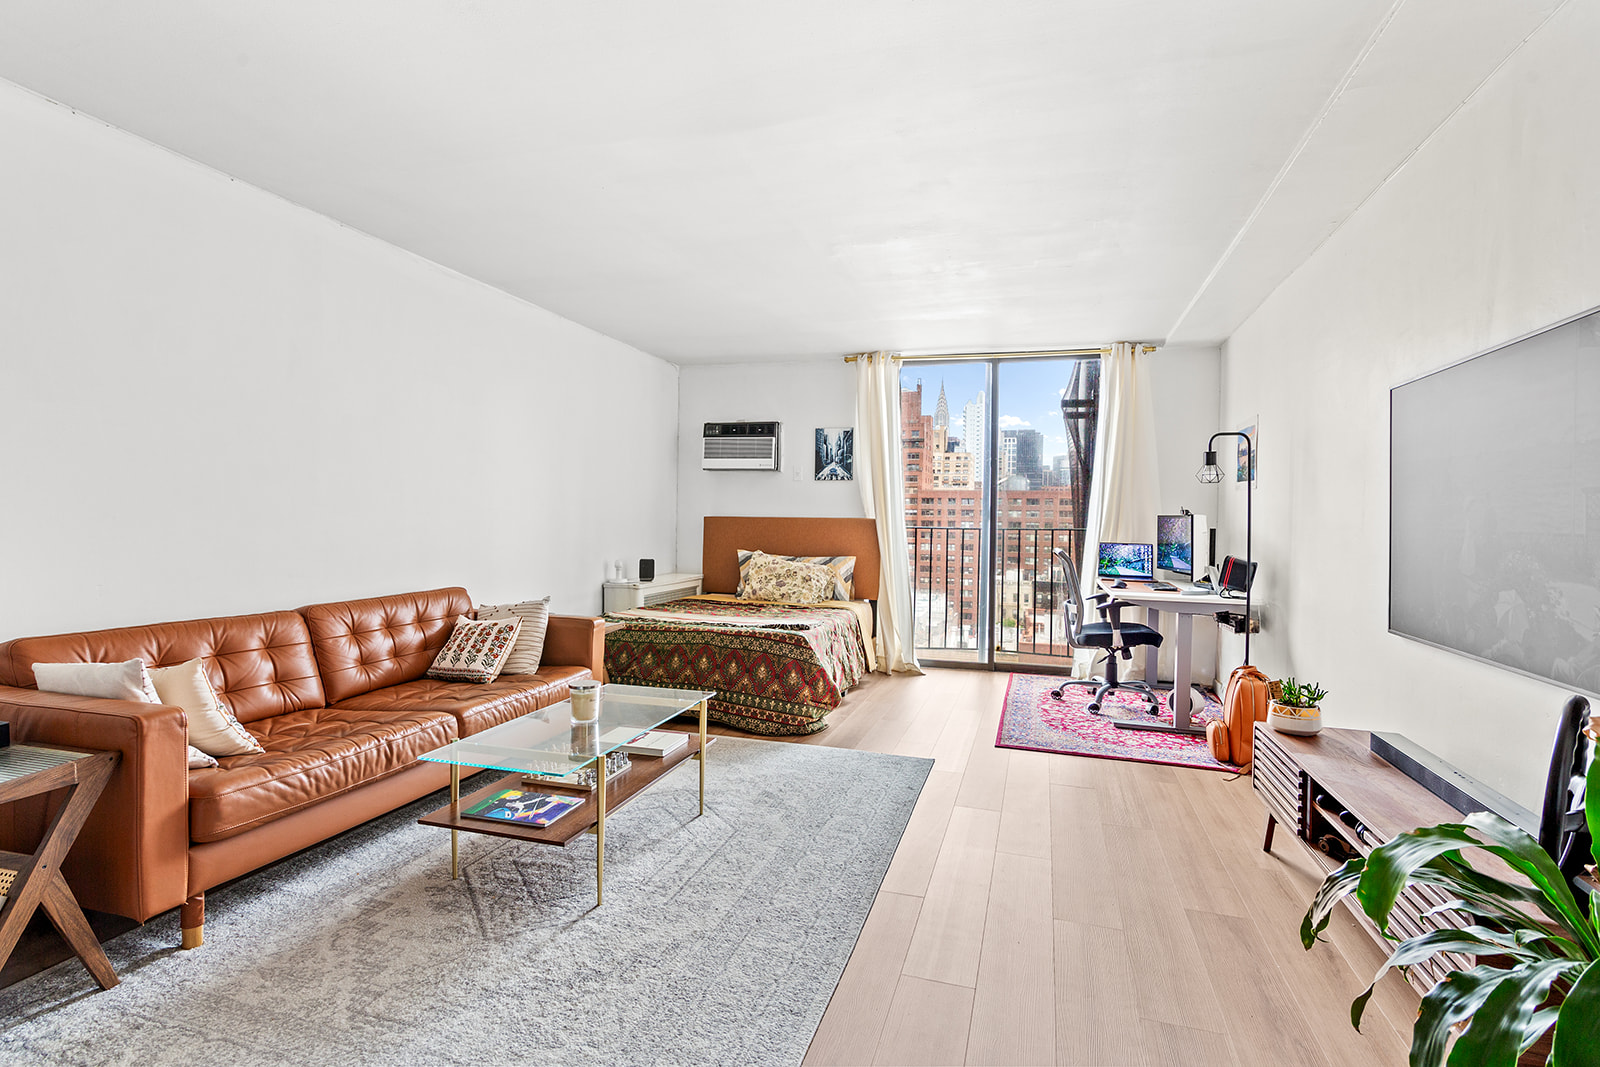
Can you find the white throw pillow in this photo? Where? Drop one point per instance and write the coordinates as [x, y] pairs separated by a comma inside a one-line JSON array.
[[535, 616], [476, 651], [212, 727], [114, 681], [199, 760]]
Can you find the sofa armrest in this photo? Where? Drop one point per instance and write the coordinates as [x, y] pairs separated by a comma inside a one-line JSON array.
[[575, 641], [132, 856]]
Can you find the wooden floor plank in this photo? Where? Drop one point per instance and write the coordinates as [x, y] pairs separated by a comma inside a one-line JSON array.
[[1174, 985], [924, 836], [1096, 1010], [1025, 806], [1175, 1046], [860, 1005], [1081, 876], [1013, 1012], [1258, 1006], [927, 1024], [949, 936]]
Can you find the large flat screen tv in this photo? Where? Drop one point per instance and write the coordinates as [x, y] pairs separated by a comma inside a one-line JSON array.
[[1494, 506]]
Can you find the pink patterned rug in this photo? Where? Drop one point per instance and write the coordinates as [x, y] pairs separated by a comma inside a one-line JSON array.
[[1033, 719]]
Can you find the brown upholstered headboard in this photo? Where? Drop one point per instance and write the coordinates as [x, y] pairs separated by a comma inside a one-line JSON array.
[[726, 534]]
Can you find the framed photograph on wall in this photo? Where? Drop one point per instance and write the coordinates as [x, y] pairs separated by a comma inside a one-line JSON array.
[[836, 461], [1244, 470]]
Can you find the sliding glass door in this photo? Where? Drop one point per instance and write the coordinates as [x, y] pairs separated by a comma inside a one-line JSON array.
[[997, 457]]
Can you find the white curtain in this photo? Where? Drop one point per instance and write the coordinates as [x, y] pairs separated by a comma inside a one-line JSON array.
[[878, 473], [1124, 488]]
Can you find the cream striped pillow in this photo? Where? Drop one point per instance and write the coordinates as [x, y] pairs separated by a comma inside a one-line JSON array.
[[529, 649]]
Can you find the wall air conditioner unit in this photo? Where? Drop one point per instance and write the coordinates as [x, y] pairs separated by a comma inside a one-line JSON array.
[[739, 446]]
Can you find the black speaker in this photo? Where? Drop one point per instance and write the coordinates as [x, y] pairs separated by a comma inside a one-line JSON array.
[[647, 570]]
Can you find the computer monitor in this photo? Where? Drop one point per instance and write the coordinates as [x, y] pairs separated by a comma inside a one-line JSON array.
[[1175, 544], [1125, 559]]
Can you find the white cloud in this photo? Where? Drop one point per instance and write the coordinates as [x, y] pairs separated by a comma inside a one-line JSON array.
[[1011, 422]]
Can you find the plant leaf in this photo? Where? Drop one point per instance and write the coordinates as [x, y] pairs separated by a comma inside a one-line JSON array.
[[1519, 849], [1447, 939], [1453, 998], [1334, 888], [1495, 1036], [1577, 1041]]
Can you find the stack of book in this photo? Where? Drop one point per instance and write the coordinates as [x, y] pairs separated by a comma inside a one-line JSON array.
[[649, 743]]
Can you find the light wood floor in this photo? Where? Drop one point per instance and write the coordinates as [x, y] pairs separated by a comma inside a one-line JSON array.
[[1056, 909]]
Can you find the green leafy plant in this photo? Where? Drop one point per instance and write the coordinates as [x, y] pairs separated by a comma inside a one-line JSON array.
[[1543, 943], [1296, 695]]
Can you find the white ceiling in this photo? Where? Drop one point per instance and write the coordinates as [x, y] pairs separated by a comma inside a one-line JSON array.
[[719, 180]]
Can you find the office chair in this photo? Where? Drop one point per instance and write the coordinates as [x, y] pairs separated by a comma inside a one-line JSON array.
[[1113, 636], [1563, 830]]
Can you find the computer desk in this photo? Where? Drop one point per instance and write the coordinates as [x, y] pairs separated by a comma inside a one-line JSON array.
[[1154, 601]]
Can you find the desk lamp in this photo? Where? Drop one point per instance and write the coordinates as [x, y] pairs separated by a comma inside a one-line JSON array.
[[1211, 474]]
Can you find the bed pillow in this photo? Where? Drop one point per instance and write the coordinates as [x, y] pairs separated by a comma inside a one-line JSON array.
[[776, 578], [476, 651], [128, 680], [535, 616], [212, 727], [844, 568]]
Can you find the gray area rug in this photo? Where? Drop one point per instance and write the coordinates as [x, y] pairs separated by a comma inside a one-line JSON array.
[[720, 941]]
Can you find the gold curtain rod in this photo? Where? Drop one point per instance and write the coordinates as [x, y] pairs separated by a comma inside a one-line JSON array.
[[946, 357]]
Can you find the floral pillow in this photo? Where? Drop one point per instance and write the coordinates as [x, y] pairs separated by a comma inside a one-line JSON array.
[[778, 578], [843, 567], [477, 650]]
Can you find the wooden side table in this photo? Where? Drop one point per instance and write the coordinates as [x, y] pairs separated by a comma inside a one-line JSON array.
[[33, 881]]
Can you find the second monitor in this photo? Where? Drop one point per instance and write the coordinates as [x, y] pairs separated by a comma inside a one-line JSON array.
[[1175, 544], [1126, 559]]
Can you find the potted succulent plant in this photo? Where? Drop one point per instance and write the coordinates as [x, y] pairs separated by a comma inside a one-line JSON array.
[[1297, 708], [1536, 945]]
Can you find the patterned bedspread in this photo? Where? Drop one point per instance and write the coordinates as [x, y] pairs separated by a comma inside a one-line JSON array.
[[777, 668]]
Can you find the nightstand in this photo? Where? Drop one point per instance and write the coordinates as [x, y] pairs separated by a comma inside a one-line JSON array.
[[620, 596]]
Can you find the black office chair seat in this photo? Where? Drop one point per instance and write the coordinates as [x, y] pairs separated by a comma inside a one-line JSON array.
[[1133, 634]]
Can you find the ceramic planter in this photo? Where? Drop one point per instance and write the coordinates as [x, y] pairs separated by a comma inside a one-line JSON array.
[[1291, 720]]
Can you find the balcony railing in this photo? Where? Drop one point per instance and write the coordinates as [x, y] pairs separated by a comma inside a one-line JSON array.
[[946, 572]]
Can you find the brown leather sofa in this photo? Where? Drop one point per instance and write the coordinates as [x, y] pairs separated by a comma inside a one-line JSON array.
[[334, 692]]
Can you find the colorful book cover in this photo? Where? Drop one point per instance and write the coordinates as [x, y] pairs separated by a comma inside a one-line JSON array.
[[521, 806]]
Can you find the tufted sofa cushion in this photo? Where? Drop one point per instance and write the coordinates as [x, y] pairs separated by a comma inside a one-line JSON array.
[[362, 645], [475, 707], [263, 665], [310, 756]]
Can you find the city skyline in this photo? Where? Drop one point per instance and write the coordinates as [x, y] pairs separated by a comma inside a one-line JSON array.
[[1030, 398]]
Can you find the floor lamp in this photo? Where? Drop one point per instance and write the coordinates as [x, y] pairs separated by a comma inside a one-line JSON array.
[[1211, 474]]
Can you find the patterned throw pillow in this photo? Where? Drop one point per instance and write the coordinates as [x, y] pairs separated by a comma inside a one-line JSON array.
[[477, 650], [844, 568], [535, 616], [199, 760], [777, 578]]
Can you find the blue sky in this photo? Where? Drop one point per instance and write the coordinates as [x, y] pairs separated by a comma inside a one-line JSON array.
[[1030, 394]]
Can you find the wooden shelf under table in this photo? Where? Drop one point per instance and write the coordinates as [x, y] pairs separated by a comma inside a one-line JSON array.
[[619, 790]]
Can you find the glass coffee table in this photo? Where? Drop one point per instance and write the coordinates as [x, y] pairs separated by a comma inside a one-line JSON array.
[[548, 741]]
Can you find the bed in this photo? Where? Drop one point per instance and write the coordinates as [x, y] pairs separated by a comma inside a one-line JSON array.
[[778, 668]]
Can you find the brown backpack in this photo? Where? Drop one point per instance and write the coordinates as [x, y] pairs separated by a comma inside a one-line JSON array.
[[1244, 703]]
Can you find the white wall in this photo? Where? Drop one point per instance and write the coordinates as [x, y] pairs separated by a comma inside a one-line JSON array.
[[1491, 230], [218, 402], [802, 396]]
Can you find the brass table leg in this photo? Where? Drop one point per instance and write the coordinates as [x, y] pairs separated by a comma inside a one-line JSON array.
[[600, 835], [455, 813], [701, 756]]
